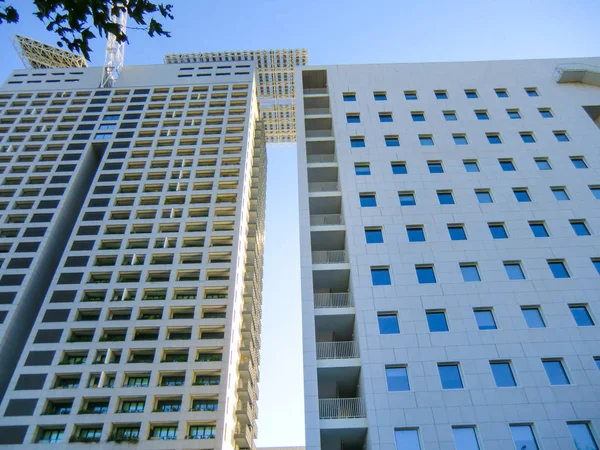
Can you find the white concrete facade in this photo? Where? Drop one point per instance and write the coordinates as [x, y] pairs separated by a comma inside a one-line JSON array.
[[350, 403]]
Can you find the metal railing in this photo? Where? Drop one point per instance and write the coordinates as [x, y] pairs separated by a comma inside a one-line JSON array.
[[326, 219], [322, 158], [316, 111], [330, 257], [342, 408], [337, 350], [322, 187], [314, 91], [334, 300], [319, 133]]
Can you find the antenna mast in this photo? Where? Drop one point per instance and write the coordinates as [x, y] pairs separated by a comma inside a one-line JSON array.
[[115, 53]]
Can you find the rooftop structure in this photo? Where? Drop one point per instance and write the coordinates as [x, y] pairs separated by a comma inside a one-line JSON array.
[[37, 55]]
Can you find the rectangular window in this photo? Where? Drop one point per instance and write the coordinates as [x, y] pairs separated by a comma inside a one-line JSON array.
[[497, 230], [580, 228], [399, 168], [374, 235], [397, 378], [579, 162], [560, 193], [561, 136], [465, 438], [357, 142], [595, 191], [362, 169], [407, 199], [380, 96], [484, 196], [503, 374], [426, 139], [469, 272], [582, 436], [513, 113], [485, 319], [380, 276], [392, 141], [543, 164], [385, 117], [514, 271], [538, 229], [460, 139], [523, 438], [507, 165], [450, 376], [445, 197], [417, 116], [532, 92], [436, 320], [407, 439], [558, 268], [527, 137], [471, 93], [522, 195], [581, 315], [482, 114], [494, 138], [367, 200], [556, 372], [533, 317], [546, 113], [441, 95], [349, 96], [415, 233], [352, 118], [435, 167], [410, 95], [501, 93], [457, 232], [596, 263], [425, 274], [471, 165], [450, 116], [388, 323]]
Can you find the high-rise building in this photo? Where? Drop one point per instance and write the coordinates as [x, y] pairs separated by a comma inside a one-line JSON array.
[[131, 236], [449, 222]]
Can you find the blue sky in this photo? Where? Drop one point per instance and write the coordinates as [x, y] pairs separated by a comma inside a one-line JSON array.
[[335, 32]]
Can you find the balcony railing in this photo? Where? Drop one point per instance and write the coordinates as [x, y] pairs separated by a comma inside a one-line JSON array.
[[319, 133], [330, 257], [337, 350], [315, 91], [326, 219], [316, 111], [334, 300], [323, 187], [342, 408], [322, 158]]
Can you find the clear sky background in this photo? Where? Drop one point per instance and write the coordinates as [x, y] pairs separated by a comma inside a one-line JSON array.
[[335, 32]]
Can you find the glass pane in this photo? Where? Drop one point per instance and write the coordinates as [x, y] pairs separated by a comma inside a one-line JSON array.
[[437, 321], [407, 440], [498, 232], [399, 169], [465, 438], [484, 197], [560, 194], [445, 198], [457, 233], [415, 234], [485, 320], [374, 236], [471, 167], [533, 317], [362, 170], [425, 275], [558, 270], [435, 168], [503, 374], [397, 378], [556, 372], [407, 200], [380, 277], [450, 377], [368, 201], [543, 165], [581, 315], [514, 272], [388, 324], [538, 230], [523, 437], [470, 273], [582, 436]]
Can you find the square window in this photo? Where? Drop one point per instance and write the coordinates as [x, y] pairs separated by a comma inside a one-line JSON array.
[[460, 139], [522, 195], [435, 167], [374, 235], [399, 168], [543, 164], [556, 372], [397, 378], [558, 268], [357, 142], [410, 95], [380, 96], [457, 232], [436, 320], [560, 193], [362, 169], [415, 234], [514, 271], [445, 197], [484, 196], [561, 136], [523, 438], [533, 317], [450, 115], [513, 113], [581, 315], [426, 140], [527, 137], [482, 114], [471, 93], [349, 96], [595, 191], [352, 118], [538, 229], [494, 138], [380, 276], [579, 162], [507, 165], [417, 116], [367, 200], [385, 117], [450, 376], [580, 228], [498, 231], [465, 438], [485, 319], [501, 93], [582, 436], [441, 95], [425, 274], [407, 439], [471, 165], [532, 92], [407, 199], [503, 374], [469, 272], [392, 141], [388, 323], [546, 113]]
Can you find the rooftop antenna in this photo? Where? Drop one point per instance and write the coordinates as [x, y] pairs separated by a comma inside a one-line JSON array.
[[115, 53]]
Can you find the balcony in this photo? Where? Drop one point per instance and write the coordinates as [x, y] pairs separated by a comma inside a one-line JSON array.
[[337, 350], [245, 412], [334, 300], [243, 437], [317, 111], [324, 220], [342, 408], [330, 257], [577, 73], [315, 91], [326, 186], [322, 158]]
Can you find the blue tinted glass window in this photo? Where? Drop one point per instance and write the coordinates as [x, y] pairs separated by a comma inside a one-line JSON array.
[[471, 166], [380, 96], [385, 117], [460, 139], [503, 374], [498, 231], [543, 164], [533, 317], [494, 139], [368, 200], [441, 95], [471, 93], [445, 198], [538, 229], [558, 269], [409, 95], [596, 263], [426, 140], [482, 115], [514, 271], [415, 234], [435, 167], [597, 360], [373, 236], [523, 437], [407, 199], [501, 93], [470, 273], [399, 169], [582, 316], [380, 277], [513, 114], [507, 165], [357, 142], [560, 194], [349, 97], [397, 379], [352, 118], [582, 436], [579, 163], [362, 169], [556, 372], [561, 136], [522, 195], [418, 116], [465, 438], [580, 229], [407, 440], [425, 275], [392, 141], [484, 197], [457, 233], [546, 113], [450, 376], [595, 192], [532, 92], [388, 323], [450, 115], [485, 319], [436, 320]]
